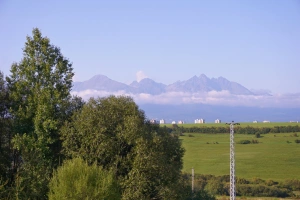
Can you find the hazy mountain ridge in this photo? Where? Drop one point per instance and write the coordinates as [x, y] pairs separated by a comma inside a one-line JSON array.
[[193, 85], [100, 82], [204, 84], [149, 86], [197, 97]]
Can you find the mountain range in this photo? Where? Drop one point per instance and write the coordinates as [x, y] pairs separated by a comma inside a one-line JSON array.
[[197, 97], [193, 85]]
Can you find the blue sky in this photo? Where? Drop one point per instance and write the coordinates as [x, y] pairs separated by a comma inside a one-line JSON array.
[[253, 42]]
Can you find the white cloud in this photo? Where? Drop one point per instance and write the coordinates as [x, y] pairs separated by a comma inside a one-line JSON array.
[[140, 75], [211, 98], [75, 78]]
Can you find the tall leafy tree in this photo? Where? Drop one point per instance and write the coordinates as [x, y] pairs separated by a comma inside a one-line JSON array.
[[156, 167], [5, 138], [114, 132], [105, 131], [39, 86]]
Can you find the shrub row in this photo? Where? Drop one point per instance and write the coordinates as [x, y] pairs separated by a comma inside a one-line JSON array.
[[241, 130], [261, 191], [220, 185]]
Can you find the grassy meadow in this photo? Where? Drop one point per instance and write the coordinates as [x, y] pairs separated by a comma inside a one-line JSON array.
[[275, 157], [253, 198]]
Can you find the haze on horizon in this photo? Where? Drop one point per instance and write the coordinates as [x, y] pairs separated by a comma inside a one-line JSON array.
[[255, 43]]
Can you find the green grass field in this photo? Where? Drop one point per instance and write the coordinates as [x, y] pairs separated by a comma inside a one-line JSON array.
[[273, 158], [244, 124], [253, 198]]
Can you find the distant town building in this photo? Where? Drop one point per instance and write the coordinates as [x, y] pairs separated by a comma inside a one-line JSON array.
[[217, 121], [173, 122], [199, 121], [162, 121], [266, 121], [153, 121], [180, 122], [255, 121]]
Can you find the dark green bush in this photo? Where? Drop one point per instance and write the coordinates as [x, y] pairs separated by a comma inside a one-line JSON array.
[[75, 179], [271, 182], [242, 181], [257, 135], [254, 142], [215, 187], [295, 135], [291, 184], [256, 180], [261, 191], [244, 142]]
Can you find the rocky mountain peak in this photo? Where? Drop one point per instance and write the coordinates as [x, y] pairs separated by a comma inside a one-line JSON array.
[[193, 85]]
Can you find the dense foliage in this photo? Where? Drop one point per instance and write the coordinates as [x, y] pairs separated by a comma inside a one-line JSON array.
[[76, 180], [5, 138], [115, 134], [38, 116], [219, 185]]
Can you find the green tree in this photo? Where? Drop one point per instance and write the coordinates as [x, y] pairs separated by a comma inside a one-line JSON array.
[[75, 179], [215, 187], [114, 133], [184, 190], [5, 138], [104, 131], [156, 167], [39, 88]]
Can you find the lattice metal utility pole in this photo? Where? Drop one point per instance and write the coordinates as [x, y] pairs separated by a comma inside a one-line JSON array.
[[193, 180], [232, 161]]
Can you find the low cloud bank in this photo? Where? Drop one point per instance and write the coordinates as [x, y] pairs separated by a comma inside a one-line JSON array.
[[211, 98]]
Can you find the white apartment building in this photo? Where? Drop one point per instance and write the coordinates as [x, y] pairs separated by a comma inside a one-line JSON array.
[[162, 121], [199, 121], [153, 121], [217, 121]]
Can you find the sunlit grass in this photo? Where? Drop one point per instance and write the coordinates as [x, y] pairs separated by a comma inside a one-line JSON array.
[[276, 156]]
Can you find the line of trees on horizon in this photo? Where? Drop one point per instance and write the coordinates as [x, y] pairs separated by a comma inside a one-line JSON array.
[[237, 129]]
